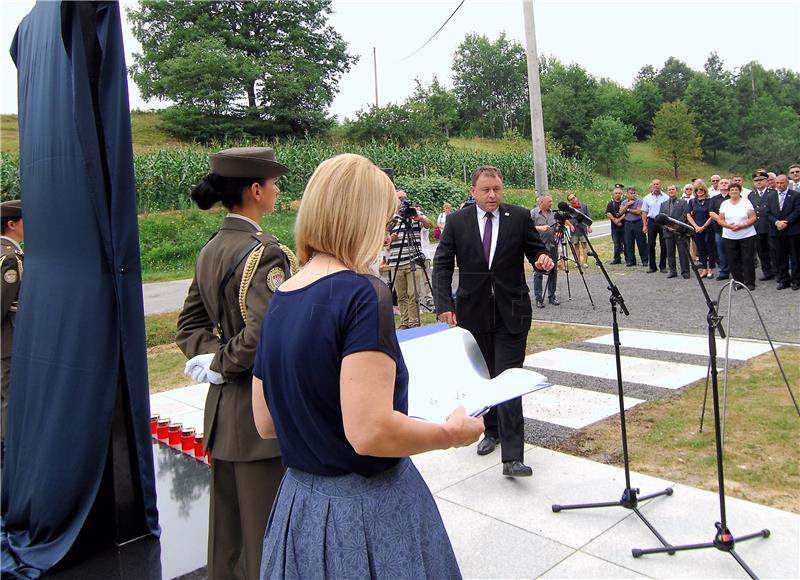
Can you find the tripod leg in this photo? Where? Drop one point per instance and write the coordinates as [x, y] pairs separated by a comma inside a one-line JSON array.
[[652, 529], [743, 564]]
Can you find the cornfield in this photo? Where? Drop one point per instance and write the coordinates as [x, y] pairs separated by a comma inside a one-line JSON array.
[[165, 177]]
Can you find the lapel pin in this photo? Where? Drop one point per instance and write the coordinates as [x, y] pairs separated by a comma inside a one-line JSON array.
[[506, 214]]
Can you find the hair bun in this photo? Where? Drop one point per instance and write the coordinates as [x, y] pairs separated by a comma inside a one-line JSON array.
[[206, 193]]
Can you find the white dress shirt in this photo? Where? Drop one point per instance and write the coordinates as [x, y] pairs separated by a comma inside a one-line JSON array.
[[495, 229]]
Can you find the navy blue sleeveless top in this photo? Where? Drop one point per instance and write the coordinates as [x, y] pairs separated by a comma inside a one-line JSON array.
[[304, 337]]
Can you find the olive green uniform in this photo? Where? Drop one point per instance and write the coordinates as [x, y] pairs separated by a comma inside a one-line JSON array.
[[245, 470], [11, 272]]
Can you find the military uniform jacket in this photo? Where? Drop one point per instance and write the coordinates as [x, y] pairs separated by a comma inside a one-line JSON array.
[[230, 432], [11, 271], [759, 203]]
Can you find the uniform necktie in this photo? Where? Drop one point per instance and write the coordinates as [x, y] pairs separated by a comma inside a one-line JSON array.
[[487, 237]]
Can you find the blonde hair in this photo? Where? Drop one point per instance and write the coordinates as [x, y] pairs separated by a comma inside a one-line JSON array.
[[344, 212]]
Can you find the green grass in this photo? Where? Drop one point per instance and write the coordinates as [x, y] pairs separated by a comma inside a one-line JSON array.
[[170, 241], [165, 368], [160, 328], [9, 134]]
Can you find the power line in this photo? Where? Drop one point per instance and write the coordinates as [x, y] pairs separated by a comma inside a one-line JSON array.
[[435, 33]]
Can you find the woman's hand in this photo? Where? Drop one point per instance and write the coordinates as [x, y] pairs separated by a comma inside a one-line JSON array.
[[464, 429]]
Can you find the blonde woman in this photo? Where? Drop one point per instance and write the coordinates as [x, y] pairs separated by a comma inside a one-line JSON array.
[[351, 503], [700, 219]]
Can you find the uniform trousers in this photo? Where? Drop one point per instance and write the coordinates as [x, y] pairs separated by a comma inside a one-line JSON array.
[[764, 249], [405, 284], [504, 350], [242, 493]]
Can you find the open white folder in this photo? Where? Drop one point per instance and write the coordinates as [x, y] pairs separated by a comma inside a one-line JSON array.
[[446, 369]]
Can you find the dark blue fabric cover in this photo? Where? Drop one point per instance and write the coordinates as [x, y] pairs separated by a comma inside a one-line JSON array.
[[80, 322]]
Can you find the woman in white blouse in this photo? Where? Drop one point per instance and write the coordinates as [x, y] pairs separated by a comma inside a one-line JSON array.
[[737, 216]]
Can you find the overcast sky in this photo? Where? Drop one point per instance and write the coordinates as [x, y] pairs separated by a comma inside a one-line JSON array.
[[609, 39]]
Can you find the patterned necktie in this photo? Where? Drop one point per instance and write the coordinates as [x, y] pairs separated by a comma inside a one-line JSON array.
[[781, 197], [487, 237]]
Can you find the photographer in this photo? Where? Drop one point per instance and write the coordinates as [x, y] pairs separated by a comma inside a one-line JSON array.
[[546, 222], [405, 235]]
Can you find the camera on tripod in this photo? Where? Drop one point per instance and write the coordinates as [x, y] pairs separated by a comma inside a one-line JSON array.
[[560, 217], [406, 210]]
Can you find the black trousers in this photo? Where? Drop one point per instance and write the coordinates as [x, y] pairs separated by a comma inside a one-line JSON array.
[[741, 259], [674, 242], [656, 231], [787, 248], [635, 233], [618, 237], [764, 249], [503, 350]]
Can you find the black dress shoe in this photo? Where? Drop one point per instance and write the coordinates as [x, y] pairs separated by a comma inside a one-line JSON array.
[[723, 277], [516, 469], [783, 286], [765, 278], [751, 287], [795, 286], [651, 270], [629, 265], [672, 275], [539, 303], [685, 276], [615, 262], [663, 270], [554, 301], [487, 445]]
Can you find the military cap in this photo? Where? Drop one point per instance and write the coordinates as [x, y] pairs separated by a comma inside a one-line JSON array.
[[616, 185], [11, 209], [763, 174], [247, 162]]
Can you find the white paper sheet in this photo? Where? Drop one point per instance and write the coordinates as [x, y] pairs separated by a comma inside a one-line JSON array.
[[446, 369]]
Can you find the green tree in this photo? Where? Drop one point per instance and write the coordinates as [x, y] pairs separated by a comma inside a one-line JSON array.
[[714, 108], [569, 103], [267, 67], [615, 100], [411, 122], [490, 80], [441, 103], [673, 78], [753, 82], [607, 143], [675, 136], [715, 70], [648, 95]]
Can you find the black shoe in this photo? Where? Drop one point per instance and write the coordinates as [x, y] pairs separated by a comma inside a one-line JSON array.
[[795, 286], [685, 276], [766, 277], [615, 262], [554, 301], [663, 270], [629, 265], [539, 303], [487, 445], [751, 287], [516, 469], [723, 277], [651, 270], [783, 286], [672, 275]]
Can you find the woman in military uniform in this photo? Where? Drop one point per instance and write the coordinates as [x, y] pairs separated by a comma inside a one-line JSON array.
[[11, 270], [236, 274]]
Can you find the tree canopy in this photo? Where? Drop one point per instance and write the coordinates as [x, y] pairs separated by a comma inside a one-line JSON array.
[[260, 67], [675, 136]]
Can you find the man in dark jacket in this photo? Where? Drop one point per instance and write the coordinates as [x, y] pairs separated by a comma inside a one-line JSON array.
[[783, 216], [490, 240], [677, 209], [758, 198]]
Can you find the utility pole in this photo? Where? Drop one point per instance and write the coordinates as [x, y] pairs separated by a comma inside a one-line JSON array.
[[375, 70], [535, 95]]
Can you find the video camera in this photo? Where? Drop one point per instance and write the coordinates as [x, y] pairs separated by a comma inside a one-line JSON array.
[[560, 217], [406, 209]]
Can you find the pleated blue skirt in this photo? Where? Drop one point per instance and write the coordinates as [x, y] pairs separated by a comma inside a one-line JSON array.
[[385, 526]]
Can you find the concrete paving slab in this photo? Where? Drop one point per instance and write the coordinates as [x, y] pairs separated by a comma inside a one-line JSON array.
[[667, 375], [557, 478], [486, 548], [688, 518], [194, 395], [193, 418], [682, 343], [441, 469], [168, 407], [580, 565], [572, 407]]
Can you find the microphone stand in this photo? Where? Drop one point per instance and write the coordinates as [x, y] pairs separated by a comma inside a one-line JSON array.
[[630, 496], [723, 539]]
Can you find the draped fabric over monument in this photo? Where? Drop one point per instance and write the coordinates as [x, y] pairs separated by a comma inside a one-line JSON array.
[[79, 345]]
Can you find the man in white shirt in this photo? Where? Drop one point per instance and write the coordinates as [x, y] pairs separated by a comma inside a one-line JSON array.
[[739, 180], [714, 189], [794, 177]]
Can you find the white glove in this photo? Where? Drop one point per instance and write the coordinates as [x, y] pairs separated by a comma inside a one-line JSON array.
[[198, 368]]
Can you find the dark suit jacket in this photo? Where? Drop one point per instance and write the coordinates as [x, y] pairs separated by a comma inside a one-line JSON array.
[[790, 213], [680, 209], [759, 204], [479, 287]]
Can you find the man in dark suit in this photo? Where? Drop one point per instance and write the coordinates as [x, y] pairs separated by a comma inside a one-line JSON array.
[[490, 240], [783, 216], [677, 209], [758, 199]]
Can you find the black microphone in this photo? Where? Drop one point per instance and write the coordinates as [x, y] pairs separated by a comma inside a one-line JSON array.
[[578, 216], [674, 225]]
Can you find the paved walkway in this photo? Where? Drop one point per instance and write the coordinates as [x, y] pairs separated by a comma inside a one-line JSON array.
[[503, 528]]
